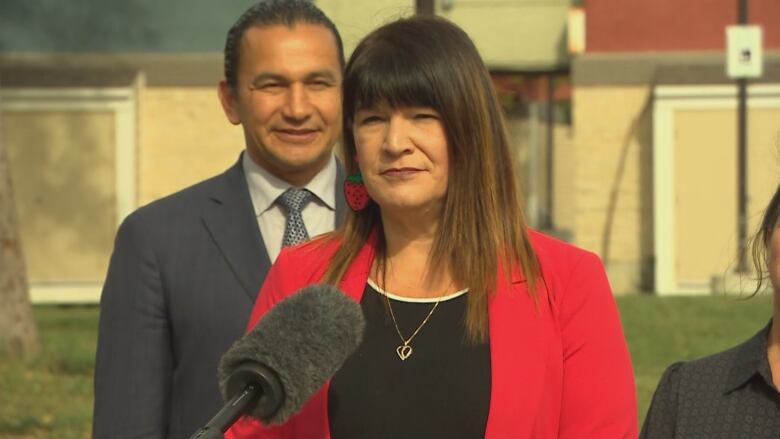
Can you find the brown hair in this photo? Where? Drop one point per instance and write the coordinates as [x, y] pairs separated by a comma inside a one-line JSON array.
[[430, 62], [760, 241]]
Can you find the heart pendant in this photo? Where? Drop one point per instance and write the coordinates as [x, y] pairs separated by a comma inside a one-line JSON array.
[[404, 351]]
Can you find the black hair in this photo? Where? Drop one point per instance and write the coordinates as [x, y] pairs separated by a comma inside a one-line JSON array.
[[270, 13], [760, 241]]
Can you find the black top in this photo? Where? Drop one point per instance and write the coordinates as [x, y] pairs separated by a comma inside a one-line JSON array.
[[441, 391], [727, 395]]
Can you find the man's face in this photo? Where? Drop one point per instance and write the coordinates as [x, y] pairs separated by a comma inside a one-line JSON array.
[[287, 98]]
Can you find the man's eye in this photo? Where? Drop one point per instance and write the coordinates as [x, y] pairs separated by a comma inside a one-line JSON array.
[[268, 86], [319, 85]]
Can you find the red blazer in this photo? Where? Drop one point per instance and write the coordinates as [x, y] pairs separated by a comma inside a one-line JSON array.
[[559, 370]]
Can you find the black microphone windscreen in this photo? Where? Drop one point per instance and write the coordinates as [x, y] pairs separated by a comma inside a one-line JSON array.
[[304, 339]]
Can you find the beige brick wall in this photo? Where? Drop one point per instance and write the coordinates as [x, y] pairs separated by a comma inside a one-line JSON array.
[[184, 137], [612, 190]]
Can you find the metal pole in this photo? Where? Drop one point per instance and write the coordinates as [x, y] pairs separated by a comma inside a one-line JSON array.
[[424, 7], [742, 261], [532, 202], [548, 220]]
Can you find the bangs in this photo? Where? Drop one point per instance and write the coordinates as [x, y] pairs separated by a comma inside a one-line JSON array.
[[390, 75]]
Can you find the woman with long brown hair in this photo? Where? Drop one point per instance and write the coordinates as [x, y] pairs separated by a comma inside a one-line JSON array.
[[476, 326]]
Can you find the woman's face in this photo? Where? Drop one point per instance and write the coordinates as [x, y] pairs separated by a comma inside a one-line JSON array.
[[403, 156]]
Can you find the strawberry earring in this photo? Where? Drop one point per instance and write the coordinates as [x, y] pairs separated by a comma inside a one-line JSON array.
[[355, 192]]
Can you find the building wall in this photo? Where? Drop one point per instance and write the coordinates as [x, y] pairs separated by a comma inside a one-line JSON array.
[[664, 25], [112, 26], [184, 138], [632, 48], [515, 34], [355, 19], [612, 195], [63, 208], [510, 34]]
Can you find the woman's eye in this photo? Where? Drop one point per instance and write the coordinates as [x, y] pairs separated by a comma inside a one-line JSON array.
[[370, 119], [426, 116]]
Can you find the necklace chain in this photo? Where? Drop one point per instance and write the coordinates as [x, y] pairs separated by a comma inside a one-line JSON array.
[[405, 350]]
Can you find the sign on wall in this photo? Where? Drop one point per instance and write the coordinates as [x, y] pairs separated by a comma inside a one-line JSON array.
[[744, 54]]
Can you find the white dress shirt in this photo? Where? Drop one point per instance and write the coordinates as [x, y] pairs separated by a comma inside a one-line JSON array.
[[319, 215]]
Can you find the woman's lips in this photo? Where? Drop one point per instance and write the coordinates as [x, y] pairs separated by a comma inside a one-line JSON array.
[[401, 172]]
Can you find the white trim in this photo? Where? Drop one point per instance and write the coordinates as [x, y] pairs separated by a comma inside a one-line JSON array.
[[663, 190], [699, 92], [454, 295], [65, 293], [121, 102], [125, 167], [667, 101]]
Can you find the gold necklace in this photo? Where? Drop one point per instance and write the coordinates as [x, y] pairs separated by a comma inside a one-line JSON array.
[[405, 350]]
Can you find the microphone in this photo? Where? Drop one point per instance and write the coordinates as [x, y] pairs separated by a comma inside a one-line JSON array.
[[273, 370]]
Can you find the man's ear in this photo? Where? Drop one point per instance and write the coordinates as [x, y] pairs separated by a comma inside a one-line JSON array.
[[228, 98]]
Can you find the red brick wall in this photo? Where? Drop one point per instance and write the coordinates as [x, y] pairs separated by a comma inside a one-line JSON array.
[[672, 25]]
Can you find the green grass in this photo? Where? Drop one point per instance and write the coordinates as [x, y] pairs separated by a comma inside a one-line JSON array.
[[663, 331], [50, 396]]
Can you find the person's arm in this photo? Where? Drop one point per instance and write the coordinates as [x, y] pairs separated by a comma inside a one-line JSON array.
[[276, 287], [661, 419], [599, 397], [134, 361]]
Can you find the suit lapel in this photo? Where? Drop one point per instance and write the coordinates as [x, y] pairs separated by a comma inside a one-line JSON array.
[[229, 218]]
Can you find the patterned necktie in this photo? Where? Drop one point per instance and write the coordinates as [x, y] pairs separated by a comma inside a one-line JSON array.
[[294, 200]]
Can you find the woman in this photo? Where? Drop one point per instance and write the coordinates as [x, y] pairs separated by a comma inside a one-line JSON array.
[[731, 394], [476, 326]]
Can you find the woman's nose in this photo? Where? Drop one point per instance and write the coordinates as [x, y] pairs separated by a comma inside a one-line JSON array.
[[397, 138]]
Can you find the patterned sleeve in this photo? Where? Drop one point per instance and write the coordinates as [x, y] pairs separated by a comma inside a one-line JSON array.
[[661, 419]]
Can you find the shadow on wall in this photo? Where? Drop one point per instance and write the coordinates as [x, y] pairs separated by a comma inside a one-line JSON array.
[[638, 135]]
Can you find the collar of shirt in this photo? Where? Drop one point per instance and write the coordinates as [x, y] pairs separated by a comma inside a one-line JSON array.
[[751, 361], [265, 188]]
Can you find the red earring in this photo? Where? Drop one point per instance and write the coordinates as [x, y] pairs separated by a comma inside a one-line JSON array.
[[355, 192]]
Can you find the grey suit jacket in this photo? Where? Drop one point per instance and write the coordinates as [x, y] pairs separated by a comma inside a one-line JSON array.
[[181, 283]]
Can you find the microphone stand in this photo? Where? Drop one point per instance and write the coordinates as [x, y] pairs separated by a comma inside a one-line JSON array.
[[229, 414], [254, 388]]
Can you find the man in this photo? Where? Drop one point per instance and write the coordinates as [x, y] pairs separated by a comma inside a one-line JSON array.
[[186, 269]]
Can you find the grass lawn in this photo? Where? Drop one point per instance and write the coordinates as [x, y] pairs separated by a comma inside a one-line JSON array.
[[51, 396]]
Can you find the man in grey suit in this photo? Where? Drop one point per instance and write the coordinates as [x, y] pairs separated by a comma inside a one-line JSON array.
[[186, 269]]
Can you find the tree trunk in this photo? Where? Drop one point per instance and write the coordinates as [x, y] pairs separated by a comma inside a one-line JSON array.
[[18, 333]]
